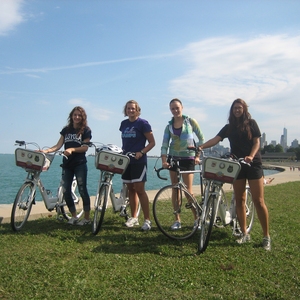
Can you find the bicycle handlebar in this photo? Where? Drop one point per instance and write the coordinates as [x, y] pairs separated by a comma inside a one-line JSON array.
[[158, 173]]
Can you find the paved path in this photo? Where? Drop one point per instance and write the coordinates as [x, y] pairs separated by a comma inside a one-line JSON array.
[[39, 209]]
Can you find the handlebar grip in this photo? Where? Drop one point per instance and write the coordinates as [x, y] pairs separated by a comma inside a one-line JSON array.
[[158, 173], [20, 142]]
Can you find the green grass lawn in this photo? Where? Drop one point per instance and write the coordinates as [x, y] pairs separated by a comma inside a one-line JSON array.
[[53, 260]]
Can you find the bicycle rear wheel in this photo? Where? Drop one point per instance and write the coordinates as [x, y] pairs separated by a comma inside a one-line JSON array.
[[62, 208], [250, 210], [220, 221], [22, 206], [207, 224], [164, 212], [100, 208]]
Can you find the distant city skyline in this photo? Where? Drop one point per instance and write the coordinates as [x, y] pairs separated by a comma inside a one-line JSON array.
[[283, 140]]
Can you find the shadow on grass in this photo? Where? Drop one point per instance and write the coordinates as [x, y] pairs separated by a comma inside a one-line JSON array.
[[115, 238]]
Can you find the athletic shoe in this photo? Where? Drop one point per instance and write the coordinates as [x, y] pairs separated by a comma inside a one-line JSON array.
[[244, 239], [132, 222], [266, 243], [176, 225], [83, 222], [147, 225], [73, 221]]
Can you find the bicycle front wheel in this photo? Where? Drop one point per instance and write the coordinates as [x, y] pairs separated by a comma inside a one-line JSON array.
[[100, 208], [165, 210], [22, 206], [207, 224]]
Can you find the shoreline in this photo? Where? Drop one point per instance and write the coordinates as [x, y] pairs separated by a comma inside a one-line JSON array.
[[285, 175]]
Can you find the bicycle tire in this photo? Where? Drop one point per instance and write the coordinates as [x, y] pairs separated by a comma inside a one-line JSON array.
[[163, 213], [207, 224], [250, 210], [100, 208], [125, 212], [62, 208], [22, 206], [250, 213]]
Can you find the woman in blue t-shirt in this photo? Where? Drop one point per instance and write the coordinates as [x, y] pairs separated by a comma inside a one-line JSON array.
[[244, 137], [135, 133], [72, 136]]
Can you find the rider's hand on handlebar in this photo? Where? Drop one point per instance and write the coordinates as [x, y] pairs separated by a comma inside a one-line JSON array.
[[165, 165], [248, 159]]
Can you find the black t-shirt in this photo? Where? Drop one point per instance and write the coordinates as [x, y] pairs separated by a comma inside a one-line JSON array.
[[239, 143], [72, 140]]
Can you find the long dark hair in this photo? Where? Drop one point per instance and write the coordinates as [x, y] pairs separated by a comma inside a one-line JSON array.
[[83, 123], [242, 123]]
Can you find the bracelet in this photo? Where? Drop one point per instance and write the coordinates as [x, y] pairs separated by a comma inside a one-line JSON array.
[[142, 152]]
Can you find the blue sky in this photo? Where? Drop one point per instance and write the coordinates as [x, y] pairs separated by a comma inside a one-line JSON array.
[[99, 54]]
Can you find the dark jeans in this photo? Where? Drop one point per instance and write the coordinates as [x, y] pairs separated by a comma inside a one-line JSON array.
[[80, 172]]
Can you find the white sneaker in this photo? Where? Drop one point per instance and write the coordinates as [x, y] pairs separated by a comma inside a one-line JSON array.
[[176, 225], [244, 238], [147, 225], [132, 222], [73, 221], [83, 222], [266, 243]]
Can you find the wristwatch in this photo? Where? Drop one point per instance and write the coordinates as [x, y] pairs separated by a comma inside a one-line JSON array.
[[142, 152]]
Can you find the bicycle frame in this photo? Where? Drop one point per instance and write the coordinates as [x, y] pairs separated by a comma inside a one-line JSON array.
[[34, 178], [106, 178]]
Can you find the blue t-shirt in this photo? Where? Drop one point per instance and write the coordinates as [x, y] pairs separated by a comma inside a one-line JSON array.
[[133, 137], [72, 140]]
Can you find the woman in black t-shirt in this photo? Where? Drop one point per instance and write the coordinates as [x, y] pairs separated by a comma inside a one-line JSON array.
[[244, 136], [72, 136]]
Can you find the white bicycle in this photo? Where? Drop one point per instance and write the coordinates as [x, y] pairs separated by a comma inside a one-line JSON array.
[[34, 164], [110, 161]]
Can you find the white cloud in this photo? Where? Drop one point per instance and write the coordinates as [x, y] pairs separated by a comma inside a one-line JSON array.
[[222, 68], [264, 71], [10, 15], [94, 112]]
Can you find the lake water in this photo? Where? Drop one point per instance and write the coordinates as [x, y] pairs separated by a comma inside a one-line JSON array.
[[11, 177]]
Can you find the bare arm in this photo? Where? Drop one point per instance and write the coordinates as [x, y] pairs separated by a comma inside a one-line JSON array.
[[55, 147], [81, 149], [255, 148], [151, 143], [210, 143]]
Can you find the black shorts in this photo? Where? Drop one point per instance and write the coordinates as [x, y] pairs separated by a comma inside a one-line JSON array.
[[255, 171], [135, 173], [184, 164]]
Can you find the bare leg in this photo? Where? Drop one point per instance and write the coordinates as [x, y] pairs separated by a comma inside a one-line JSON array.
[[257, 191]]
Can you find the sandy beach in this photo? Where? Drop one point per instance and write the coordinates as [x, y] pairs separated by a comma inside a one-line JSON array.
[[39, 210]]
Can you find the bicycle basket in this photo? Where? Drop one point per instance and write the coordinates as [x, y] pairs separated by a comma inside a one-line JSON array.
[[221, 169], [32, 160], [112, 162]]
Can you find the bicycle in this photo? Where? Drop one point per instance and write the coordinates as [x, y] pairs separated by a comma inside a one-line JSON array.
[[217, 210], [35, 163], [176, 199], [110, 161]]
